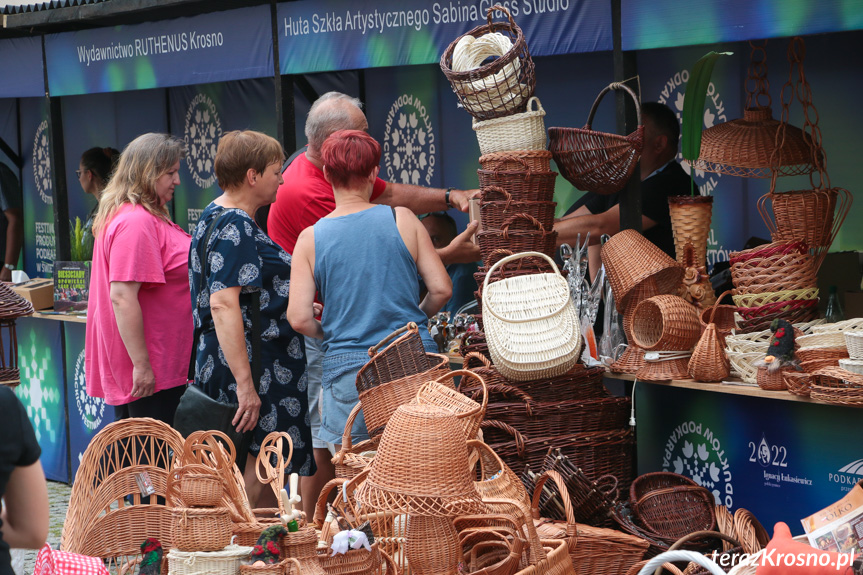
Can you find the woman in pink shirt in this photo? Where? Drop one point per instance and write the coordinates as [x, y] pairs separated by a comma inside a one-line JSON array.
[[139, 324]]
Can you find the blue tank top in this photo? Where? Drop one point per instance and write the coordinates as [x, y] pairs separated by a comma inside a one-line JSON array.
[[366, 279]]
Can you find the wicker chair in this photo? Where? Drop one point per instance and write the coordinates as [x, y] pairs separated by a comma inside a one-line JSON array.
[[106, 517]]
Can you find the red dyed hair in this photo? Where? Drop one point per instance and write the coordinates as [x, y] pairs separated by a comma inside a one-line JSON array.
[[350, 156]]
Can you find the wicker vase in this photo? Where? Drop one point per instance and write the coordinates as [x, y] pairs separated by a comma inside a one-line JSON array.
[[690, 222]]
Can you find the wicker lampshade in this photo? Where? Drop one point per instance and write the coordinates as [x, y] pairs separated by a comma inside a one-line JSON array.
[[744, 147], [421, 466], [630, 258]]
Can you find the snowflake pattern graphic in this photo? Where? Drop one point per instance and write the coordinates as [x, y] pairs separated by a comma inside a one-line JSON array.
[[409, 150], [202, 133]]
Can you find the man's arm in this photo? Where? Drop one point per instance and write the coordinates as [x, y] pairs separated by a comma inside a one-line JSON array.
[[14, 240], [608, 222], [421, 200]]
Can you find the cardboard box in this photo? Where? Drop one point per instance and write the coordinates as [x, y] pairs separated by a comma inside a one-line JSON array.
[[39, 292]]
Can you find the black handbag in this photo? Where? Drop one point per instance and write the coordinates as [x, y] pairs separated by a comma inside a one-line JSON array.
[[197, 411]]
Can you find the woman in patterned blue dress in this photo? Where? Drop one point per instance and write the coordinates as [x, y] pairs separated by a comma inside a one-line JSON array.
[[243, 260]]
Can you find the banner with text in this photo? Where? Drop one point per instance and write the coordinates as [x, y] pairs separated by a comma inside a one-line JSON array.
[[21, 68], [37, 186], [216, 47], [200, 115], [324, 35], [781, 459]]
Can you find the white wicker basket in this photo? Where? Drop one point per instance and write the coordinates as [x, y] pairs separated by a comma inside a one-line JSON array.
[[741, 364], [854, 342], [748, 342], [822, 339], [853, 324], [852, 365], [524, 131], [224, 562]]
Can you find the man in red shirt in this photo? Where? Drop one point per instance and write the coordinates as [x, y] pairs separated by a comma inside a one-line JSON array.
[[306, 196]]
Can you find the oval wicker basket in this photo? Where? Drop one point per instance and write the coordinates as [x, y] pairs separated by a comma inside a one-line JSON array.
[[524, 186], [765, 298], [521, 131], [741, 364], [797, 383], [771, 381], [594, 161], [750, 532], [200, 529], [854, 344], [852, 365], [816, 364], [853, 324], [751, 319], [829, 339], [666, 322], [494, 213], [537, 239], [671, 505], [813, 353], [201, 489], [837, 386], [226, 561], [404, 355], [533, 160], [501, 87]]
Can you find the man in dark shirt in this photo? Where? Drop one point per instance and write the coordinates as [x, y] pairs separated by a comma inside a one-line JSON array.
[[661, 177], [11, 222]]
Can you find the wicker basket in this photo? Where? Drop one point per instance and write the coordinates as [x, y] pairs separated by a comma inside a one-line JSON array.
[[199, 486], [625, 519], [590, 501], [708, 361], [815, 364], [379, 403], [666, 322], [521, 131], [225, 561], [352, 459], [403, 357], [751, 534], [493, 213], [536, 239], [827, 339], [854, 344], [723, 319], [469, 412], [797, 383], [853, 324], [690, 222], [741, 364], [597, 161], [672, 505], [356, 562], [592, 549], [501, 87], [523, 185], [852, 365], [764, 298], [530, 324], [837, 386], [759, 318], [813, 353], [807, 215], [533, 160], [200, 529], [659, 367], [771, 381]]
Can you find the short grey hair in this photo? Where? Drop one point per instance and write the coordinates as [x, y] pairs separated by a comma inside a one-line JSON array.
[[320, 123]]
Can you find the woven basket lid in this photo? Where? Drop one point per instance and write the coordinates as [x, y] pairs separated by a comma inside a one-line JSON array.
[[421, 466], [13, 305], [744, 147], [630, 258]]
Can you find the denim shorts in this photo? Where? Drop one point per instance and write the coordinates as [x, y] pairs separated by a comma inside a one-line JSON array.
[[314, 366], [339, 396]]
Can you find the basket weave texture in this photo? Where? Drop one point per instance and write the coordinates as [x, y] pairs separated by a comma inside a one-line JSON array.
[[419, 469], [662, 369], [771, 381], [222, 562], [469, 412], [535, 239], [523, 185], [530, 324], [521, 131], [352, 459], [493, 212], [200, 529], [690, 222], [533, 160], [838, 386], [666, 322], [671, 505], [852, 365], [598, 162], [797, 383], [501, 87], [854, 344], [405, 355]]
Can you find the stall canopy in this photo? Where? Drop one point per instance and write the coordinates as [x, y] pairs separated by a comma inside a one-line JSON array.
[[21, 68]]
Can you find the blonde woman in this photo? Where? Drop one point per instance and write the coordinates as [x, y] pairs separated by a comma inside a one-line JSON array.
[[139, 324]]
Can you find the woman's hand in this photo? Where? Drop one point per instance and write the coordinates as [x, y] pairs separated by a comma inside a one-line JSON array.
[[250, 408], [143, 381], [317, 309]]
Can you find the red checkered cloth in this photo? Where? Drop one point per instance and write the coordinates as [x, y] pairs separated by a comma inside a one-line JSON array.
[[50, 562]]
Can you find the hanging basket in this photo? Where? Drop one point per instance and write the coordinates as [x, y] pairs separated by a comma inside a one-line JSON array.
[[522, 131], [598, 162], [501, 87]]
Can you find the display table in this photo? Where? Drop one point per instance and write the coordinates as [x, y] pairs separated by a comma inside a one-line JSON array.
[[52, 389], [781, 456]]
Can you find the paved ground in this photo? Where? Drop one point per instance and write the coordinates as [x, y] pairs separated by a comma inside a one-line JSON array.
[[58, 498]]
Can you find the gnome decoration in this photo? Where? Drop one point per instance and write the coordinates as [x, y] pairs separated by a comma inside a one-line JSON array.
[[266, 550], [151, 564], [780, 352]]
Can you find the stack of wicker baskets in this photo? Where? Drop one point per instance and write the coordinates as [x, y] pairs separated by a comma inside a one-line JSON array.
[[831, 362], [203, 524]]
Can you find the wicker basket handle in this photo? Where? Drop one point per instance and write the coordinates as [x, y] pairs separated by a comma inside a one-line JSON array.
[[497, 189], [716, 304], [487, 304], [571, 530], [606, 484], [390, 563], [477, 356], [321, 505], [295, 564], [213, 442], [482, 446], [505, 390], [499, 8], [517, 436], [346, 435], [530, 219], [466, 373], [613, 86], [411, 328], [505, 566], [698, 535], [676, 489]]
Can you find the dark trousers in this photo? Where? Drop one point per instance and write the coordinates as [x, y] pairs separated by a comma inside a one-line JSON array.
[[161, 405]]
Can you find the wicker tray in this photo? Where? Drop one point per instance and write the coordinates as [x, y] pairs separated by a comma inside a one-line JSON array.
[[837, 386], [672, 505], [594, 161], [823, 339], [853, 324]]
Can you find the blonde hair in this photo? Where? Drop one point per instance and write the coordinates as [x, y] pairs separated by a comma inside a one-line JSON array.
[[243, 150], [144, 160]]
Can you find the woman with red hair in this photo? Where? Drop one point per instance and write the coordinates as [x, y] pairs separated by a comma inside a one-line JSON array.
[[363, 260]]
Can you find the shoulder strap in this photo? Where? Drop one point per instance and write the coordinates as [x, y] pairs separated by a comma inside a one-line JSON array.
[[255, 312]]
